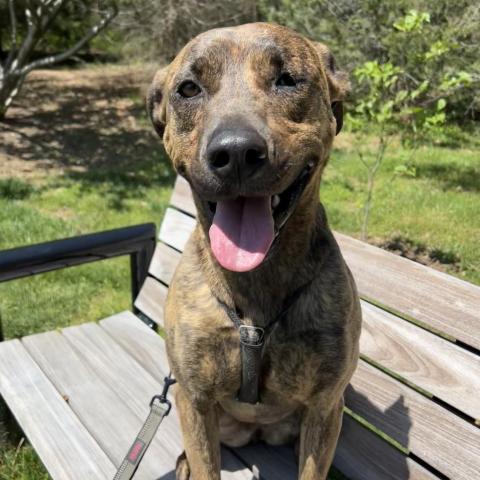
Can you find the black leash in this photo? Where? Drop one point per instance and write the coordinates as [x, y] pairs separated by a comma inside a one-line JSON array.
[[160, 407], [252, 342]]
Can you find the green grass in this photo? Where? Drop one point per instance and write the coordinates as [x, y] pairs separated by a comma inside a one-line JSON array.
[[438, 208], [21, 464]]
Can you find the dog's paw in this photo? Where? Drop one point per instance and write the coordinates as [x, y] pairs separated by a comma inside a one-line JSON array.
[[182, 469]]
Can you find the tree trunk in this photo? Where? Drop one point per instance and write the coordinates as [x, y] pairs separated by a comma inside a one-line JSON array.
[[16, 67], [9, 87]]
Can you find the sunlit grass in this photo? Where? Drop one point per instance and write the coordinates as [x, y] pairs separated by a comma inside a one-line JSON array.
[[437, 208], [21, 464]]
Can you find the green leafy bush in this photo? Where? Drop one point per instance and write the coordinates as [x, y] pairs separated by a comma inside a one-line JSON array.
[[435, 42]]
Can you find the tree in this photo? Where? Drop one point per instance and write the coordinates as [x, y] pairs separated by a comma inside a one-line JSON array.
[[392, 107], [358, 31], [27, 28], [157, 29]]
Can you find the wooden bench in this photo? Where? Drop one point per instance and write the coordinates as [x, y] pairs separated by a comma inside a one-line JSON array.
[[413, 407]]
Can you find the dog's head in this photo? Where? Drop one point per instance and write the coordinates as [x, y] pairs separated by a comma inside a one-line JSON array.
[[248, 115]]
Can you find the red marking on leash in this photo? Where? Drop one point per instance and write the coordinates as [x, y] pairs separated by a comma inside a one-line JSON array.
[[135, 451]]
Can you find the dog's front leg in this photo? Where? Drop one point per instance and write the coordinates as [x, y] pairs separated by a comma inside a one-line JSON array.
[[200, 437], [318, 439]]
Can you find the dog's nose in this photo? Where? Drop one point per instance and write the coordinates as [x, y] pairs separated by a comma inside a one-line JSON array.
[[236, 153]]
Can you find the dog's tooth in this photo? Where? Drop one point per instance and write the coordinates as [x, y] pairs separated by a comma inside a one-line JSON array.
[[275, 201]]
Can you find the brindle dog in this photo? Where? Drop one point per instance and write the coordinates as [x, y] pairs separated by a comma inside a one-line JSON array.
[[245, 113]]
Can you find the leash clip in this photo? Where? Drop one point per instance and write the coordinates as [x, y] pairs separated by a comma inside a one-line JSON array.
[[162, 398]]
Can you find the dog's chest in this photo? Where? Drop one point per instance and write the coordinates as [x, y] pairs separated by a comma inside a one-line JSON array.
[[296, 363], [301, 363]]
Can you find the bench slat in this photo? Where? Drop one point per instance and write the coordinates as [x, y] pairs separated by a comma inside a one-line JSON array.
[[150, 300], [441, 301], [139, 341], [136, 386], [434, 434], [182, 197], [442, 368], [362, 455], [164, 262], [62, 442], [438, 366], [176, 228], [101, 409]]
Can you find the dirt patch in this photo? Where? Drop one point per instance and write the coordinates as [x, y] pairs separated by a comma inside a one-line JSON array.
[[77, 120], [445, 261]]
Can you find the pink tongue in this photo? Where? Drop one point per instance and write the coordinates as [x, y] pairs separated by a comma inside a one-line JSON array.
[[241, 233]]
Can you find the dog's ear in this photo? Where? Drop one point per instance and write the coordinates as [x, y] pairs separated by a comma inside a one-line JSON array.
[[156, 103], [338, 84]]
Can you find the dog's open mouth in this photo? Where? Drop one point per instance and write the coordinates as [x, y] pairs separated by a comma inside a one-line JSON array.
[[243, 229]]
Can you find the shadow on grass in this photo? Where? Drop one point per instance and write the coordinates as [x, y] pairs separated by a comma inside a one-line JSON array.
[[126, 183], [420, 253], [94, 128], [451, 176], [79, 133]]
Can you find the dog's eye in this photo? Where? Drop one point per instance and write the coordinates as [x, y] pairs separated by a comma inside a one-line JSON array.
[[285, 80], [189, 89]]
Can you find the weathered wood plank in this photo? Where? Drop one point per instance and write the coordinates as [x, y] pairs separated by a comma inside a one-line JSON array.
[[182, 197], [271, 463], [66, 448], [438, 366], [176, 228], [362, 455], [442, 368], [164, 262], [101, 409], [151, 298], [139, 341], [439, 300], [124, 374], [434, 434]]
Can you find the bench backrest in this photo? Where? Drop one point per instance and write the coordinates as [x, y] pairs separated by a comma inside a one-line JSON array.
[[413, 406]]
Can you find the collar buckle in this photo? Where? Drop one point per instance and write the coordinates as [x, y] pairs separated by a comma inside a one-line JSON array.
[[251, 336]]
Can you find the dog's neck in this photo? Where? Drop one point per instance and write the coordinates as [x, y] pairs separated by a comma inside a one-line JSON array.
[[301, 246]]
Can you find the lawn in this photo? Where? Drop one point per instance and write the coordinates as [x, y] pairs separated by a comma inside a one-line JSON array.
[[84, 159]]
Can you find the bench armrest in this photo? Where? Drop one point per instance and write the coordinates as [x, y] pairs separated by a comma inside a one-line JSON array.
[[138, 241]]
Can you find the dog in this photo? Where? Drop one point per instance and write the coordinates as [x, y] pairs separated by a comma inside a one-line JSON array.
[[262, 318]]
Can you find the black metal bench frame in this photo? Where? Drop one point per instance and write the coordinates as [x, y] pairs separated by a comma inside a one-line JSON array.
[[137, 241]]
